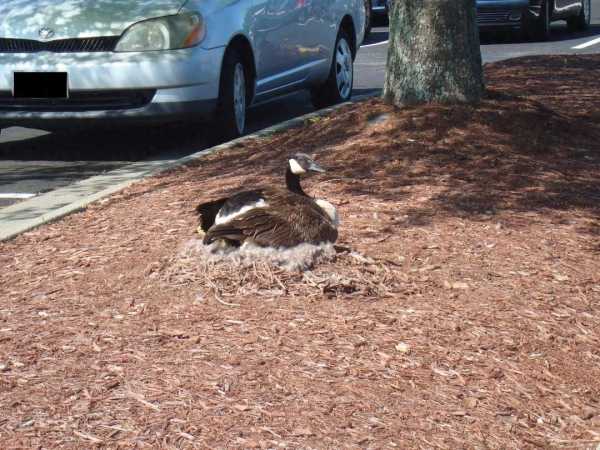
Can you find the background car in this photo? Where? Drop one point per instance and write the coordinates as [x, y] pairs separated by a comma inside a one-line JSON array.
[[533, 17], [66, 62], [373, 10]]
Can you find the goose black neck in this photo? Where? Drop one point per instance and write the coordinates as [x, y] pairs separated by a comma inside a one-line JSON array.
[[292, 182]]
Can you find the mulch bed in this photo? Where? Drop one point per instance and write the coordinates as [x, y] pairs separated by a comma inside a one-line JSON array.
[[465, 312]]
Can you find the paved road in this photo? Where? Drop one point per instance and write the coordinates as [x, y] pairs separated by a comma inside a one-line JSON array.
[[33, 161]]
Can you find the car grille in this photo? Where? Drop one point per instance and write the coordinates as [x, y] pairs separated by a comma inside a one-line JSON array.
[[495, 16], [79, 101], [93, 44]]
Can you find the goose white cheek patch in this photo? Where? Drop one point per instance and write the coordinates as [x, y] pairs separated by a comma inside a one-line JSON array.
[[296, 168], [220, 219]]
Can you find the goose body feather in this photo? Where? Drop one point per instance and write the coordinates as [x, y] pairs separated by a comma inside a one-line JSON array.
[[286, 219], [270, 217]]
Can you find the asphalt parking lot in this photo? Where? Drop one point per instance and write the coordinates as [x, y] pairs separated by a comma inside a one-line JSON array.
[[34, 161]]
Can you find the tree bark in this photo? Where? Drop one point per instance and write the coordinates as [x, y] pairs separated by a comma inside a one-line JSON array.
[[434, 53]]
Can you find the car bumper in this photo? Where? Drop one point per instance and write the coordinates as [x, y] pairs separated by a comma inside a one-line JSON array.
[[152, 113], [170, 85], [506, 14]]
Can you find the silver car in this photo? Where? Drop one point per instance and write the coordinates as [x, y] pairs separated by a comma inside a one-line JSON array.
[[64, 62]]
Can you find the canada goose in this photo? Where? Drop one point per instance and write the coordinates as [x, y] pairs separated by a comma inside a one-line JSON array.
[[272, 216]]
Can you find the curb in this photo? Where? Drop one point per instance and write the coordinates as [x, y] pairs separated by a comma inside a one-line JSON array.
[[32, 213]]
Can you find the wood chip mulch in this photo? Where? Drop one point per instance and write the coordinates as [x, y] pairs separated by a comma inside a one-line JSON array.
[[462, 310]]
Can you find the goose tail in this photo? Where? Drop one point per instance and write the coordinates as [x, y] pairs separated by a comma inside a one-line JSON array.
[[208, 212]]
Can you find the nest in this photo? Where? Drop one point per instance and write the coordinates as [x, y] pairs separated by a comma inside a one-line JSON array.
[[307, 270], [295, 259]]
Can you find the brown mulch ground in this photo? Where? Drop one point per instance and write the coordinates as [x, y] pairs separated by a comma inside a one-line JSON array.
[[468, 315]]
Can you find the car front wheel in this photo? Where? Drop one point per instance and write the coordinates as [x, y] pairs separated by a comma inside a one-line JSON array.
[[338, 86], [233, 96]]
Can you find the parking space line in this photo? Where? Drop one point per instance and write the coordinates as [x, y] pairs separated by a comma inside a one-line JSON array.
[[587, 44], [375, 44], [15, 196]]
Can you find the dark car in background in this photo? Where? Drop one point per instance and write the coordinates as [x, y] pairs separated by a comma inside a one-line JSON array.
[[532, 17], [379, 7], [373, 9]]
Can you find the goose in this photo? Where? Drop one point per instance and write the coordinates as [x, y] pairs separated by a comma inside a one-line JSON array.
[[272, 216]]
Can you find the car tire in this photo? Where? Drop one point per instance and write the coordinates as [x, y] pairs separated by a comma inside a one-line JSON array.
[[338, 86], [230, 118], [539, 29], [368, 17], [582, 20]]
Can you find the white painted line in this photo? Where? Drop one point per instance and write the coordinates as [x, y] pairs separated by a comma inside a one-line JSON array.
[[587, 44], [15, 196], [375, 44]]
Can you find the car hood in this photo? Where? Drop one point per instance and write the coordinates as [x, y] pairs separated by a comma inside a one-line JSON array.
[[23, 19]]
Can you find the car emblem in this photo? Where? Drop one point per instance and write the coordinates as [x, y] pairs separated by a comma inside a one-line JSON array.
[[46, 33]]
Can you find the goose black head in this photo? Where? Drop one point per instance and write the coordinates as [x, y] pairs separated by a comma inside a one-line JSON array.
[[301, 164]]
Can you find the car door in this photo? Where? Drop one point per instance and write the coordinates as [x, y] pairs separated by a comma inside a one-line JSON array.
[[317, 30], [277, 40]]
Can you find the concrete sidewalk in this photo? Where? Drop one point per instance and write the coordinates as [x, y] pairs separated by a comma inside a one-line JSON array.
[[26, 215]]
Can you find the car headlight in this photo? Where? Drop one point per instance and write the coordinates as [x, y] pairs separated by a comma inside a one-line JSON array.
[[165, 33]]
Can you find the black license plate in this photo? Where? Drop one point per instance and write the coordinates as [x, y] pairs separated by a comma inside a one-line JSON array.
[[40, 85]]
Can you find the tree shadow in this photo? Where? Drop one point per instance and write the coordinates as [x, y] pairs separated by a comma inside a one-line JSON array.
[[532, 145], [263, 161], [530, 148]]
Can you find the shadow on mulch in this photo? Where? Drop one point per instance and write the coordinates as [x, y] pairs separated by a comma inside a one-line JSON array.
[[532, 145]]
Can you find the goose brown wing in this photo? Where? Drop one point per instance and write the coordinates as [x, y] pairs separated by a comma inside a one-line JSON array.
[[274, 228]]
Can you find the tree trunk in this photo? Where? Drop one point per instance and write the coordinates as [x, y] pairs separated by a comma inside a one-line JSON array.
[[434, 53]]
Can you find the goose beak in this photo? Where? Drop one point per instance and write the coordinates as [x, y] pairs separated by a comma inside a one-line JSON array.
[[314, 167]]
